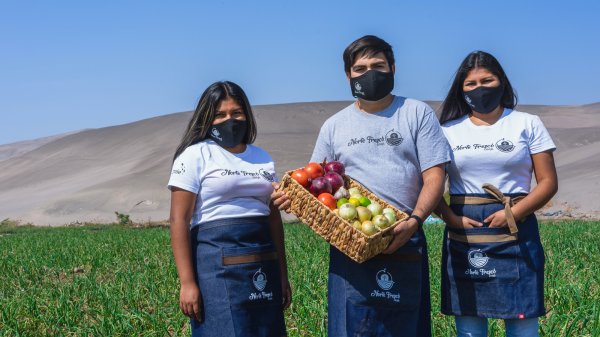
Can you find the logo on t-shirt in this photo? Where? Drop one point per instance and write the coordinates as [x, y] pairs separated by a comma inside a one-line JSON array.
[[216, 134], [267, 175], [505, 145], [181, 170], [393, 138]]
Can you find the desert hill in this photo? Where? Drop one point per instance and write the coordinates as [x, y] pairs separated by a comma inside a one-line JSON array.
[[88, 175]]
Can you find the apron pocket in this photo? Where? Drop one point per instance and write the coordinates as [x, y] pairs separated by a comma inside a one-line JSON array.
[[390, 281], [488, 255], [253, 286], [252, 276]]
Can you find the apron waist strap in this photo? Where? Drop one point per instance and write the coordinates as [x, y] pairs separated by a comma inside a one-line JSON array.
[[250, 258], [496, 196]]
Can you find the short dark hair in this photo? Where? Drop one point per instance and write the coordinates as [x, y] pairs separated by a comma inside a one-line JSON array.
[[455, 106], [205, 112], [368, 45]]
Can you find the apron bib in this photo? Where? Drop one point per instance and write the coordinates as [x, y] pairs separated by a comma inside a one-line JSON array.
[[387, 295], [237, 271], [489, 272]]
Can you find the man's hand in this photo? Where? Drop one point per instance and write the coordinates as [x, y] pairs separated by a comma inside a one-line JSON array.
[[402, 233]]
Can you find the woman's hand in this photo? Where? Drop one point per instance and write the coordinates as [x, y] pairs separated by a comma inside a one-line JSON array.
[[286, 292], [190, 301], [280, 199], [462, 222], [497, 220]]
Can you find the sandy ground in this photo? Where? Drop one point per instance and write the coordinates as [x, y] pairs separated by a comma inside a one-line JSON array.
[[88, 175]]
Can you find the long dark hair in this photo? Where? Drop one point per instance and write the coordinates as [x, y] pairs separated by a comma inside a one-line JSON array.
[[455, 106], [204, 114]]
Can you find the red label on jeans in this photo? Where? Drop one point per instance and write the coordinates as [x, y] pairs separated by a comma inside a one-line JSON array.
[[521, 316]]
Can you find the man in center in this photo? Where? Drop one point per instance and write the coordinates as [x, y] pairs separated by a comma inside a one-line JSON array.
[[394, 146]]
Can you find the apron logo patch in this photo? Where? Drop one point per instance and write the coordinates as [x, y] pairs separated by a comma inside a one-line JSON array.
[[385, 282], [505, 145], [477, 258], [259, 280]]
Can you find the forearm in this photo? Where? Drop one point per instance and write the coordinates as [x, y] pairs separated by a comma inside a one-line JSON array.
[[182, 252], [538, 197], [277, 235], [443, 210], [431, 193], [547, 185]]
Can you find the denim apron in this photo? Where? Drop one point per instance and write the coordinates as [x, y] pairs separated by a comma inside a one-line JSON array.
[[237, 271], [387, 295], [491, 272]]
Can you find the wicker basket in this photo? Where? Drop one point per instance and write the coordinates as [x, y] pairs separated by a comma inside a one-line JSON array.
[[335, 230]]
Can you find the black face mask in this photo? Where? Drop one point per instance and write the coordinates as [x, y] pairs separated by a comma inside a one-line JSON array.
[[372, 85], [229, 133], [484, 99]]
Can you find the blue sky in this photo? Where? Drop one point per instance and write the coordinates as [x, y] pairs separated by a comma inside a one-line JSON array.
[[70, 65]]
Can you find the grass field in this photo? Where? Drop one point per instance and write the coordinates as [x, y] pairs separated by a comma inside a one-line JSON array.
[[109, 280]]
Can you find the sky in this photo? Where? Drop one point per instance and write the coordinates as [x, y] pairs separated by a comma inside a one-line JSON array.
[[72, 65]]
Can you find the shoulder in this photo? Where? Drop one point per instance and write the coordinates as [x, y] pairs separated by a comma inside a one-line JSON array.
[[259, 152], [413, 105], [339, 116], [455, 122], [525, 118], [195, 151]]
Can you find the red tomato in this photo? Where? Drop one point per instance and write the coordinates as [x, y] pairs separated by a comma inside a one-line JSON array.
[[328, 200], [314, 170], [301, 177]]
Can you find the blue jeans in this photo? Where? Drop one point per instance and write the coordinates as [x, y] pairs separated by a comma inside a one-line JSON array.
[[469, 326]]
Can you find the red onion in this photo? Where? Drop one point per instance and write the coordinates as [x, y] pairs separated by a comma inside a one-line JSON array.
[[320, 185], [335, 180], [335, 166]]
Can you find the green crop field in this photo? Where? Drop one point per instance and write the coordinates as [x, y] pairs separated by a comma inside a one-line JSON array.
[[109, 280]]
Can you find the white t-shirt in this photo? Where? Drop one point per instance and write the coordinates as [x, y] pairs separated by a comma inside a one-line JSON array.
[[228, 185], [499, 154]]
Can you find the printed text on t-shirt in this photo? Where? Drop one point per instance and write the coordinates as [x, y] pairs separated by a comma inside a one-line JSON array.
[[260, 174], [392, 138]]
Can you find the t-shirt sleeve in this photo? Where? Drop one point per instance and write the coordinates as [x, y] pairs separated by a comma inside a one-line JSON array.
[[184, 173], [539, 137], [323, 147], [432, 146]]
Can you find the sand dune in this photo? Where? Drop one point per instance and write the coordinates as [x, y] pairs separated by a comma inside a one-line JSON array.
[[88, 175]]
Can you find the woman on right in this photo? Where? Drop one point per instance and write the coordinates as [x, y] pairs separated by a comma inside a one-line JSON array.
[[492, 257]]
